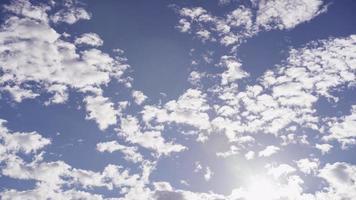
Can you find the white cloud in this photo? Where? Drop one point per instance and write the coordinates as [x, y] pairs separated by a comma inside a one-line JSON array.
[[281, 170], [324, 148], [208, 174], [60, 94], [233, 72], [184, 25], [343, 129], [198, 167], [70, 15], [18, 94], [268, 151], [139, 97], [130, 153], [189, 109], [162, 186], [131, 130], [244, 22], [102, 110], [26, 142], [250, 155], [308, 166], [195, 77], [26, 9], [56, 179], [232, 151], [286, 14], [205, 26], [53, 65], [91, 39], [341, 178], [269, 106]]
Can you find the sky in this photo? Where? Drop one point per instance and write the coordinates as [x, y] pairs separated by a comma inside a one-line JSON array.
[[178, 100]]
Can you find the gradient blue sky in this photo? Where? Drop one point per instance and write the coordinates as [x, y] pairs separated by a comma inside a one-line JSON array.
[[163, 99]]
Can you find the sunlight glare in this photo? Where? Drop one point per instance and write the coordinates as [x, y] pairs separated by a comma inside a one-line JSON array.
[[261, 188]]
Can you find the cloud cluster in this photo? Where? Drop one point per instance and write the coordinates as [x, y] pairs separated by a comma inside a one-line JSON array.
[[343, 129], [57, 179], [245, 22], [35, 59], [134, 133]]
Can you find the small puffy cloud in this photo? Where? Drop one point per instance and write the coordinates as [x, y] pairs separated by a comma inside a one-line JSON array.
[[280, 170], [26, 142], [233, 72], [184, 25], [224, 2], [130, 153], [250, 155], [70, 15], [91, 39], [268, 151], [208, 174], [190, 109], [19, 94], [162, 186], [60, 94], [324, 148], [198, 167], [132, 132], [139, 97], [232, 151], [308, 166], [102, 110], [195, 77]]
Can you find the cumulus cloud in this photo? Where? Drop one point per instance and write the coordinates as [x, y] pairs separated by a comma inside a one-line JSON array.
[[56, 179], [285, 98], [250, 155], [282, 14], [343, 129], [324, 148], [130, 153], [91, 39], [26, 142], [150, 139], [54, 64], [102, 110], [189, 109], [268, 151], [70, 14], [232, 151], [280, 170], [139, 97], [233, 72], [308, 166], [245, 22], [341, 179], [208, 174]]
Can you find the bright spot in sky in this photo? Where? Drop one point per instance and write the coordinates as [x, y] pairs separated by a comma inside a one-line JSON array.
[[261, 188]]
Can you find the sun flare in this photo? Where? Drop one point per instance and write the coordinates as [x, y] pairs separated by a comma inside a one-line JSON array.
[[261, 188]]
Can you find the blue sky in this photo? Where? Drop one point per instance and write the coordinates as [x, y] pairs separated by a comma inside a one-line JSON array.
[[161, 100]]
